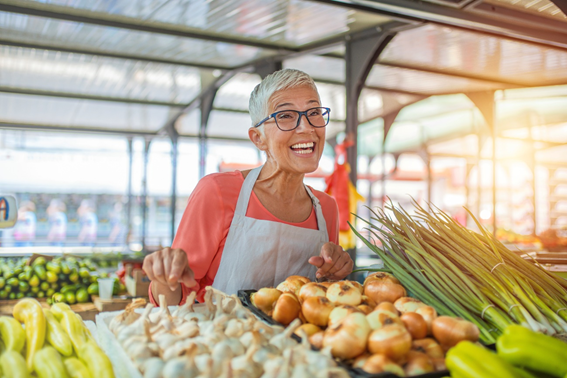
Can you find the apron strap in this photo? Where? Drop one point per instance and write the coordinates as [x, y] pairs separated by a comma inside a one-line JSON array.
[[321, 223], [246, 191]]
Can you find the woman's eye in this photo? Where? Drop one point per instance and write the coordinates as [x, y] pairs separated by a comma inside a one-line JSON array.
[[314, 113], [284, 116]]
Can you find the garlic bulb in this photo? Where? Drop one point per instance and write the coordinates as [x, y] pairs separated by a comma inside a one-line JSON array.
[[152, 367], [128, 316], [180, 367]]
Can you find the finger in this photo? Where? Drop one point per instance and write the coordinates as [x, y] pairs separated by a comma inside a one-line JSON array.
[[318, 261], [167, 261], [344, 271], [341, 262], [178, 265], [157, 268], [147, 267], [324, 269], [188, 278]]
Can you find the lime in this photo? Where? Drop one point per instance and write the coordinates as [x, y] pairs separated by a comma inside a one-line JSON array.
[[44, 286], [39, 261], [74, 277], [50, 276], [34, 281], [82, 295], [93, 289], [12, 296], [35, 289], [24, 286], [58, 297], [3, 294], [20, 295], [70, 297]]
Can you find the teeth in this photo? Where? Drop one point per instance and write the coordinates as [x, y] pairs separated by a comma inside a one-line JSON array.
[[303, 145], [303, 152]]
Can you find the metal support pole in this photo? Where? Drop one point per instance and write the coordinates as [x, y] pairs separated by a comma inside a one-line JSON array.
[[145, 192], [205, 107], [388, 122], [268, 68], [494, 222], [174, 154], [130, 196], [532, 163]]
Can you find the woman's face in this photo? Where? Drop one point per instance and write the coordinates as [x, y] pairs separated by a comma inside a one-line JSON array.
[[299, 150]]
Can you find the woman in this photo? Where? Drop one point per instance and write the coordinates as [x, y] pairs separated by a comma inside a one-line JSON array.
[[252, 229]]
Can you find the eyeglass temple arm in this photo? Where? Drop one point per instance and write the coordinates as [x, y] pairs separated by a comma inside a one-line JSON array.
[[264, 120]]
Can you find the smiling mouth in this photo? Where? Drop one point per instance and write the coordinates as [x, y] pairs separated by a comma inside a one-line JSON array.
[[303, 148]]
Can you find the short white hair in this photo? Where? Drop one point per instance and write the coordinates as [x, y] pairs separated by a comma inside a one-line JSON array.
[[279, 80]]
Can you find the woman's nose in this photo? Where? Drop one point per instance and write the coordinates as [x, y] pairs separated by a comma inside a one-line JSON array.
[[304, 125]]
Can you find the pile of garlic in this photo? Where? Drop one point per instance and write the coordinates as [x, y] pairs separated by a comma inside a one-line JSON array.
[[225, 340]]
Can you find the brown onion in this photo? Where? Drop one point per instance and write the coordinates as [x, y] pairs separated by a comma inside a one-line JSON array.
[[316, 310], [303, 279], [292, 286], [349, 338], [326, 283], [311, 289], [344, 292], [367, 301], [408, 304], [287, 308], [429, 347], [415, 325], [392, 340], [439, 364], [365, 309], [389, 306], [381, 276], [339, 313], [449, 331], [309, 329], [317, 339], [379, 363], [360, 360], [380, 318], [418, 363], [384, 291], [358, 286], [265, 299], [429, 315]]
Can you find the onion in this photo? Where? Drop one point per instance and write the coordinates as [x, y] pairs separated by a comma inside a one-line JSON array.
[[292, 286], [408, 304], [381, 276], [416, 326], [439, 364], [367, 301], [311, 289], [429, 347], [326, 283], [344, 293], [265, 299], [357, 285], [303, 279], [365, 309], [380, 318], [450, 331], [360, 361], [339, 313], [379, 363], [389, 306], [392, 340], [317, 339], [309, 329], [418, 363], [384, 291], [287, 308], [429, 314], [348, 339], [316, 310]]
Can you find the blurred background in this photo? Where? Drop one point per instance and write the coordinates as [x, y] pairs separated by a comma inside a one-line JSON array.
[[112, 110]]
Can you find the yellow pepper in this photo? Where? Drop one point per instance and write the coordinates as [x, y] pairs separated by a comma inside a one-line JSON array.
[[74, 328], [76, 368], [29, 312], [96, 361], [56, 335], [12, 334], [13, 364], [48, 364], [58, 308]]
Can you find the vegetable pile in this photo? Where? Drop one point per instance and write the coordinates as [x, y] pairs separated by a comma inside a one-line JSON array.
[[467, 274], [375, 327], [52, 343], [221, 340]]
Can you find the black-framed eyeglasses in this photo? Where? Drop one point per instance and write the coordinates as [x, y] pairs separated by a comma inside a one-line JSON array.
[[288, 120]]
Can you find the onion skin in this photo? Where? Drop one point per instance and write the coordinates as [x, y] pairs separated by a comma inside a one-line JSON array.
[[360, 360], [349, 338], [429, 314], [316, 310], [429, 347], [388, 306], [311, 289], [287, 309], [265, 299], [365, 309], [379, 363], [418, 363], [381, 276], [358, 286], [415, 324], [317, 340], [367, 301], [450, 331], [339, 313], [344, 292], [408, 304], [326, 283], [439, 364], [384, 291], [292, 286], [309, 329], [392, 340], [303, 279], [380, 318]]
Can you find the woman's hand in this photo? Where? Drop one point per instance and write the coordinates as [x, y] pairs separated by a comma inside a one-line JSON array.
[[333, 262], [166, 269]]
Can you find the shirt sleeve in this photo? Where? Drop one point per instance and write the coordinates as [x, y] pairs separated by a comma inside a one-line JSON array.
[[200, 233]]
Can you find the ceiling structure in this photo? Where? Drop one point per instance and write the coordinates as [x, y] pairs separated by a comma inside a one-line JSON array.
[[133, 68]]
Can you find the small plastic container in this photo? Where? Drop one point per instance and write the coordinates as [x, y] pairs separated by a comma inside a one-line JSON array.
[[105, 286]]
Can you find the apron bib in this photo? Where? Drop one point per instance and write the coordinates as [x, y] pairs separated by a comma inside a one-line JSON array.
[[260, 253]]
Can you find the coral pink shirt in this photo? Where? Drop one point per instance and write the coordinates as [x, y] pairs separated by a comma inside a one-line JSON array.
[[205, 223]]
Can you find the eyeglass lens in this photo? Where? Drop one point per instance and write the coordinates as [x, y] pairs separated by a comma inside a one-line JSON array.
[[288, 120]]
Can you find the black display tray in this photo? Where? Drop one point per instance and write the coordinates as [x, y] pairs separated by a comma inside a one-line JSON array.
[[244, 296]]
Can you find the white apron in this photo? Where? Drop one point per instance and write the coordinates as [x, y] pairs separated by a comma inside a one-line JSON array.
[[260, 253]]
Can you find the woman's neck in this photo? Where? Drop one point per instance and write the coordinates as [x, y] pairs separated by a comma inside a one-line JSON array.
[[286, 186]]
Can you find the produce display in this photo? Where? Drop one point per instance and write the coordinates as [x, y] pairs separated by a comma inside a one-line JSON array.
[[467, 274], [375, 327], [222, 339], [63, 279], [49, 343]]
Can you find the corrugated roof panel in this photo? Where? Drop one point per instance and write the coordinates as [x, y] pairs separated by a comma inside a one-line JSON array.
[[235, 94], [545, 8], [319, 67], [92, 75], [457, 51], [287, 22]]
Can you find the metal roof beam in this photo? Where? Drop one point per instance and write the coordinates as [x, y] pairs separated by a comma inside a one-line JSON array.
[[122, 22], [484, 22], [561, 4]]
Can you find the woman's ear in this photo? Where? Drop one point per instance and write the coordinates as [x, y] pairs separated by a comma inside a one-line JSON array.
[[257, 138]]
